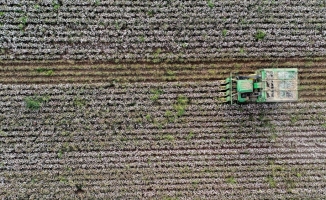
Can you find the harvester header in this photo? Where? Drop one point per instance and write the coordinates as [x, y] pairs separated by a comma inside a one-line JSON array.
[[266, 85]]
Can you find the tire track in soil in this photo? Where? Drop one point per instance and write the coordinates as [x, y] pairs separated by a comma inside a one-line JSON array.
[[310, 73]]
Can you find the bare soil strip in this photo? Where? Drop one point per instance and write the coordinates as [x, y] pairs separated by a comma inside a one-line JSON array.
[[312, 72]]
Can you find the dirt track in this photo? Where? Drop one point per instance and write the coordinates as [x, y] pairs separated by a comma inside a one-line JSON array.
[[312, 73]]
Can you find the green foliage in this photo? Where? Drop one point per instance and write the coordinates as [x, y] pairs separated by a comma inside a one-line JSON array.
[[44, 71], [21, 27], [195, 182], [294, 119], [60, 154], [224, 32], [210, 3], [155, 94], [182, 100], [290, 184], [157, 55], [2, 14], [180, 109], [141, 38], [34, 180], [184, 45], [181, 104], [190, 135], [63, 179], [148, 117], [150, 13], [271, 181], [65, 133], [36, 6], [231, 180], [97, 2], [2, 133], [23, 19], [170, 116], [49, 73], [56, 7], [260, 35], [34, 103], [170, 73], [79, 102], [23, 22], [168, 137]]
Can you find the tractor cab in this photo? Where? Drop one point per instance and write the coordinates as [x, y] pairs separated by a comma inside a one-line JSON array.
[[266, 85]]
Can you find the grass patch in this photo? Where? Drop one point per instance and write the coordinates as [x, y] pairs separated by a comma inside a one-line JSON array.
[[35, 103], [44, 71], [180, 106], [190, 135], [224, 32], [170, 116], [79, 102], [156, 55], [271, 181], [168, 137], [210, 3], [260, 35], [169, 75], [155, 94], [23, 23], [231, 180]]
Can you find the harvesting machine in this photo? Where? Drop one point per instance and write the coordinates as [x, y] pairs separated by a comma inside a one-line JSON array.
[[266, 85]]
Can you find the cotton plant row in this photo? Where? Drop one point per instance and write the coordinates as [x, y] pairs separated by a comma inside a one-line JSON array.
[[161, 5], [121, 105], [308, 179], [178, 190], [182, 158], [122, 94], [183, 194], [85, 53], [133, 96], [184, 189], [89, 162], [228, 152], [225, 146], [168, 172], [189, 44]]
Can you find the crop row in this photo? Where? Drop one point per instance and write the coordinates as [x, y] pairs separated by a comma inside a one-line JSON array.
[[154, 73], [157, 31], [311, 74], [156, 140]]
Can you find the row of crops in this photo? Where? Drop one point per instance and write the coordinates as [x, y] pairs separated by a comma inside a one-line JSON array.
[[156, 140], [162, 30], [312, 74], [110, 113]]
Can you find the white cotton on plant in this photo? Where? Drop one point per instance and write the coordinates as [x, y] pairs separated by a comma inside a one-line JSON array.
[[212, 138]]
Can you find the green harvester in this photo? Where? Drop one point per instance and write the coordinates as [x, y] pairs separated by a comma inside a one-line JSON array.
[[266, 85]]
